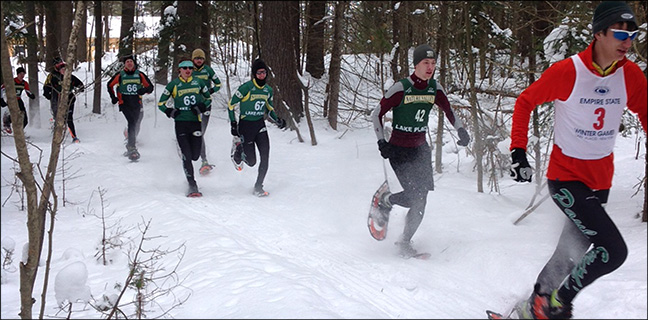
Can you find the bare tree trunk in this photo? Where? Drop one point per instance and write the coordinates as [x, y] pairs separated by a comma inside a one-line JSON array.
[[82, 40], [186, 31], [64, 27], [32, 65], [164, 41], [335, 67], [277, 41], [205, 29], [98, 53], [52, 40], [315, 43], [442, 49], [477, 146], [126, 32], [36, 211]]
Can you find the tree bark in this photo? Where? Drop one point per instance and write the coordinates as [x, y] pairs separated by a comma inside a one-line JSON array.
[[315, 43], [164, 42], [98, 53], [36, 211], [477, 145], [335, 67], [32, 65], [126, 32], [51, 41], [277, 43]]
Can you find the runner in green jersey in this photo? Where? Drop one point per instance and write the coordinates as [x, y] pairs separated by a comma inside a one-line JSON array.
[[205, 73], [255, 101], [191, 100]]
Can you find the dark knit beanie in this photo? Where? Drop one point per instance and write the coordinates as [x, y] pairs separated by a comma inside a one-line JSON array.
[[423, 51], [610, 12], [258, 64]]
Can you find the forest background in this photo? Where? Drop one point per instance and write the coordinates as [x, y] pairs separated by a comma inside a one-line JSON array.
[[478, 43]]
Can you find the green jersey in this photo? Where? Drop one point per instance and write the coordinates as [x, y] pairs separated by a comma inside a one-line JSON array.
[[185, 94], [254, 102], [207, 74], [414, 110]]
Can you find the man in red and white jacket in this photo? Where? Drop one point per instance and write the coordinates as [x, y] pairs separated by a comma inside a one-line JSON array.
[[590, 91]]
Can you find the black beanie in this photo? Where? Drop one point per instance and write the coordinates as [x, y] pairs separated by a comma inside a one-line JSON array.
[[256, 65], [131, 57], [610, 12], [423, 51]]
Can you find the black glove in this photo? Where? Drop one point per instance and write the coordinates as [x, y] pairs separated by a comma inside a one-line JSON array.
[[281, 123], [171, 112], [114, 100], [211, 90], [142, 91], [386, 149], [234, 130], [520, 168], [31, 95], [199, 108], [3, 103], [464, 138], [47, 95]]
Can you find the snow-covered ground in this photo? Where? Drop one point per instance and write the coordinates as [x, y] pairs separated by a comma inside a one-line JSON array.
[[304, 251]]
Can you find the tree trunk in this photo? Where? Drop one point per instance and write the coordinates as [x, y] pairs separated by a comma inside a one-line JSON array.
[[32, 65], [205, 30], [315, 44], [396, 32], [335, 67], [442, 49], [64, 26], [36, 212], [126, 31], [186, 31], [277, 41], [164, 42], [82, 41], [98, 53], [52, 41], [477, 145]]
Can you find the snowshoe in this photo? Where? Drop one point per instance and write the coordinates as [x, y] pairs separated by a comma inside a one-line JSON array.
[[259, 192], [193, 191], [206, 168], [378, 217], [237, 153]]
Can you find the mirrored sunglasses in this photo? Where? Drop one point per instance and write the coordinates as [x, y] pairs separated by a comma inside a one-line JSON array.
[[261, 72], [623, 34]]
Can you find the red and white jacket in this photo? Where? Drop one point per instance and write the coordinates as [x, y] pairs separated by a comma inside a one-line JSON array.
[[588, 108]]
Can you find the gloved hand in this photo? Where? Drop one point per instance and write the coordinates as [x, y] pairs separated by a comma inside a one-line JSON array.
[[281, 123], [47, 95], [142, 91], [171, 112], [520, 168], [114, 100], [234, 130], [386, 149], [199, 107], [31, 95], [464, 138], [3, 103], [211, 90]]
